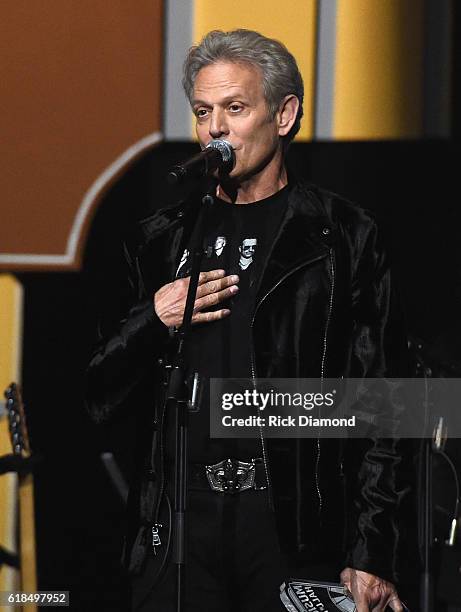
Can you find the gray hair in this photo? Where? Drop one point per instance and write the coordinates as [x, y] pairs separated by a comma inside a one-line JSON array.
[[278, 67]]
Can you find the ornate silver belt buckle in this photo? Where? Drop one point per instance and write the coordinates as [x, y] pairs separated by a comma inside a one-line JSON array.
[[231, 476]]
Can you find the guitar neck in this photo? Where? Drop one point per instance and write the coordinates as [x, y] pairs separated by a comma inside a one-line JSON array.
[[20, 443], [27, 533]]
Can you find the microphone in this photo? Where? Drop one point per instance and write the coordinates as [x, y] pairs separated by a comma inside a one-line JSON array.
[[216, 155]]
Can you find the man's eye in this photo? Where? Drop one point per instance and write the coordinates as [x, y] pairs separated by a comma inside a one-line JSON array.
[[201, 112], [235, 108]]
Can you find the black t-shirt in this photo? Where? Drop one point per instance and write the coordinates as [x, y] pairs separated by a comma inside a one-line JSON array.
[[238, 240]]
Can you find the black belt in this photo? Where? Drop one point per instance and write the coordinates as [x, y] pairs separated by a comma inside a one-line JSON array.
[[228, 476]]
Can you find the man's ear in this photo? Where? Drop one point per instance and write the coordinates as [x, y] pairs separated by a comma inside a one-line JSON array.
[[287, 114]]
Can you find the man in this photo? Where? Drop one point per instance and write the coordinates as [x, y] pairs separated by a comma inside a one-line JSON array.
[[315, 302], [247, 250], [219, 245]]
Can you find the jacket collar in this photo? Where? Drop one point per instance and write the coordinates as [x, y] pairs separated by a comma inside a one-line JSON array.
[[162, 221]]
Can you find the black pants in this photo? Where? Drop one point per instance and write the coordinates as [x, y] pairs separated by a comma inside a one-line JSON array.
[[233, 558]]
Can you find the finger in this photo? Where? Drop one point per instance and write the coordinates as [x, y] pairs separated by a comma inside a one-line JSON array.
[[207, 317], [345, 578], [395, 604], [211, 275], [214, 298], [361, 602], [390, 601], [216, 285]]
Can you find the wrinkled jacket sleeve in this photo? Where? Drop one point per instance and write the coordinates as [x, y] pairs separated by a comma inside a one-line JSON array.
[[383, 471], [125, 351]]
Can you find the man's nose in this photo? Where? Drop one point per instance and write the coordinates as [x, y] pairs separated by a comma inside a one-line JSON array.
[[218, 124]]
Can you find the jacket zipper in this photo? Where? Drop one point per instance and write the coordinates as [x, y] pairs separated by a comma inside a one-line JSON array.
[[261, 435], [253, 367], [322, 372]]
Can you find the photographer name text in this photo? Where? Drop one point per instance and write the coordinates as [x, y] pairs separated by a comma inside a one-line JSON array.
[[300, 420]]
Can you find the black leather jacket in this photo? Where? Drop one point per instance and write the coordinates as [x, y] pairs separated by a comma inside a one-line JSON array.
[[325, 308]]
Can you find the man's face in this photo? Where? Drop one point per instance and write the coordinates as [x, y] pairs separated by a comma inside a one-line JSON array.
[[229, 103], [248, 247]]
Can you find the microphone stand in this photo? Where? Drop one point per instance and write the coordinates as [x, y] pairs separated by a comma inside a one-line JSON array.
[[426, 536], [177, 401], [427, 586]]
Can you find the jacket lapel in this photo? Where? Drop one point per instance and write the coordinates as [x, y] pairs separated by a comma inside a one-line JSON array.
[[305, 235], [155, 243]]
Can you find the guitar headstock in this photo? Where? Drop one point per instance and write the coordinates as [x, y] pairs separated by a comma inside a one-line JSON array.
[[17, 421]]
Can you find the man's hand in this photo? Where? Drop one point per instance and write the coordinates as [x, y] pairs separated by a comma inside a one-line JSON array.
[[213, 288], [370, 592]]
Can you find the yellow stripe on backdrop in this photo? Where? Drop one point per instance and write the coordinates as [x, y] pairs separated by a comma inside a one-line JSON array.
[[11, 299], [379, 69], [293, 23]]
